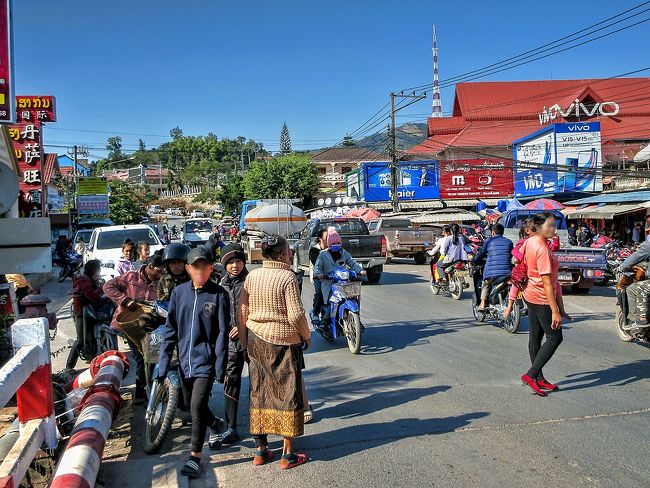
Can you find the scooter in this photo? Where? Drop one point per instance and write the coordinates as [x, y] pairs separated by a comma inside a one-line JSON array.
[[345, 309], [98, 336], [454, 284], [496, 303], [625, 332], [163, 395], [69, 266]]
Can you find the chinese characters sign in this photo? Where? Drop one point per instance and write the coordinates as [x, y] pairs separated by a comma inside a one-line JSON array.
[[27, 138], [475, 178], [6, 64]]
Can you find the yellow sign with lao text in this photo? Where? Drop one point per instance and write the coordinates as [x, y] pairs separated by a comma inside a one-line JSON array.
[[92, 186]]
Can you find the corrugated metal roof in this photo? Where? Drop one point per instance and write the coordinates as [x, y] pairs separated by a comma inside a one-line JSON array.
[[628, 197], [422, 204], [441, 218], [606, 211], [461, 203]]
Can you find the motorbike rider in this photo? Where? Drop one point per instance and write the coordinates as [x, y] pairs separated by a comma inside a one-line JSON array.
[[452, 250], [496, 252], [327, 260], [639, 291], [62, 246], [87, 289], [215, 244], [314, 251]]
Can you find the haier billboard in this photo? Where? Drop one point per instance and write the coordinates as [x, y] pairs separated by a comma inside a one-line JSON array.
[[559, 158], [417, 180]]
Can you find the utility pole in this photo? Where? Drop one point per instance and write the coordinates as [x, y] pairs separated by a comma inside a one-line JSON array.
[[392, 148]]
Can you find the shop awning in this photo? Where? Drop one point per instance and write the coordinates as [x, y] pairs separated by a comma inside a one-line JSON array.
[[446, 217], [607, 211], [461, 203], [422, 204]]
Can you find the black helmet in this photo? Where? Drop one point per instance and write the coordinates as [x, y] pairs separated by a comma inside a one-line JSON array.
[[176, 251]]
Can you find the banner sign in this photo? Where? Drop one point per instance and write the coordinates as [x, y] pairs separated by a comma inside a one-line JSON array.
[[560, 158], [353, 184], [578, 152], [475, 178], [92, 204], [417, 180], [27, 137], [6, 64], [92, 186], [535, 166]]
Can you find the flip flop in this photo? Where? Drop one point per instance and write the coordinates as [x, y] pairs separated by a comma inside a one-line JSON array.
[[263, 457], [289, 461], [309, 414], [192, 469]]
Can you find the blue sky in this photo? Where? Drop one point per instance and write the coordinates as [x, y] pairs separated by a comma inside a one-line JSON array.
[[243, 68]]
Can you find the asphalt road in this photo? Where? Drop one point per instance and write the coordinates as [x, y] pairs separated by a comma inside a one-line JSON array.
[[434, 399]]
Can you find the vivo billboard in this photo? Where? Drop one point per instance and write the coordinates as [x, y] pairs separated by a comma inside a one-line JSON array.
[[417, 180]]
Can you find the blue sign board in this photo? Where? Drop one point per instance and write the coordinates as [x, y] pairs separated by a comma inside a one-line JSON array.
[[417, 180], [535, 171]]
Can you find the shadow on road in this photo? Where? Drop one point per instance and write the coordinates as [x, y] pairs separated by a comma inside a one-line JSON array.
[[619, 375], [378, 401], [339, 443], [390, 278], [394, 336]]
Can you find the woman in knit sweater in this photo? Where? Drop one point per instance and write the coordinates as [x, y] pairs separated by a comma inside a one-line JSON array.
[[272, 329]]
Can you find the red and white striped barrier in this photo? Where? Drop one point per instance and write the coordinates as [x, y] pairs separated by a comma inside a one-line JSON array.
[[86, 378], [29, 375], [82, 457]]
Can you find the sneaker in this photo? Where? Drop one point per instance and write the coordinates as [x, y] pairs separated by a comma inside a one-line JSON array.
[[214, 431], [230, 436]]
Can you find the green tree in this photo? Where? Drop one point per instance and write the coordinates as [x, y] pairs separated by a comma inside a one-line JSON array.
[[176, 133], [127, 202], [232, 194], [290, 176], [141, 146], [348, 141], [285, 140], [114, 148]]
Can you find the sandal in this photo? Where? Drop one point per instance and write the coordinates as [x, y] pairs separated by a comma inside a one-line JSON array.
[[263, 457], [191, 469], [309, 414], [289, 461]]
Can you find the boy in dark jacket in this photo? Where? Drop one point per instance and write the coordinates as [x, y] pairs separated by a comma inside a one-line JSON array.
[[197, 324], [234, 263]]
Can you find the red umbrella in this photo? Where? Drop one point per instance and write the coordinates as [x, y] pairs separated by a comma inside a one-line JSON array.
[[365, 214], [544, 204]]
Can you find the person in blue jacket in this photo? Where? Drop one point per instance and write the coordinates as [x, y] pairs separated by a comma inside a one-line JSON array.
[[329, 259], [198, 321], [497, 253]]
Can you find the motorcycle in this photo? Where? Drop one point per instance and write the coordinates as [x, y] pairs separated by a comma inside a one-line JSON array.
[[625, 332], [345, 310], [98, 336], [497, 302], [70, 264], [454, 284], [163, 395]]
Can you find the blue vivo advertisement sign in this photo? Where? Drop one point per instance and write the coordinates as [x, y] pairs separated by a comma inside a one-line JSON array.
[[559, 158], [535, 171], [417, 180]]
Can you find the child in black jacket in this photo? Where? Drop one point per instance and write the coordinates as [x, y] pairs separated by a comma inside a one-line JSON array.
[[197, 323]]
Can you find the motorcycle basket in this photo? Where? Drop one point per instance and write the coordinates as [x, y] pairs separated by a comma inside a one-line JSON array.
[[151, 345], [352, 289]]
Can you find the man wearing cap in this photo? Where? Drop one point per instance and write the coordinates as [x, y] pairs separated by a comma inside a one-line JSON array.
[[233, 260], [198, 321]]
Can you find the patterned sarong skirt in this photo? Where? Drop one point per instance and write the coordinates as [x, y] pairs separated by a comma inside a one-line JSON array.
[[275, 377]]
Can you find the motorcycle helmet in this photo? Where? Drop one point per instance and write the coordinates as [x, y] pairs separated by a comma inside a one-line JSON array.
[[175, 251]]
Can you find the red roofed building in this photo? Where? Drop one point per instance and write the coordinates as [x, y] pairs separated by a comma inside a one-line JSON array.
[[488, 116]]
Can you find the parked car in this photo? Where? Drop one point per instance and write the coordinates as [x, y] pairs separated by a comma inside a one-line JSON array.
[[84, 234], [402, 239], [196, 232], [106, 244], [368, 250], [154, 209], [197, 214]]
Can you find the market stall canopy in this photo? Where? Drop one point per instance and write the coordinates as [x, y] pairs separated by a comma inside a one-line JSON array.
[[365, 214], [643, 155], [542, 204], [607, 211], [446, 217], [514, 204]]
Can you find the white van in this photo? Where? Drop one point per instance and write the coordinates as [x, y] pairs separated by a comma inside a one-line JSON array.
[[106, 244], [196, 232]]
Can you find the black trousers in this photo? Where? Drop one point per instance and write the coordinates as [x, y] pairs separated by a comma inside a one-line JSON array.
[[539, 323], [196, 393], [78, 343], [232, 382], [140, 378], [21, 293]]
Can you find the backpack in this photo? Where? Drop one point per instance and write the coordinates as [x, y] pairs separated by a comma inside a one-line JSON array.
[[519, 277]]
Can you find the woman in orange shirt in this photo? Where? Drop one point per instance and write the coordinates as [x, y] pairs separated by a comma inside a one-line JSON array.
[[544, 299]]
